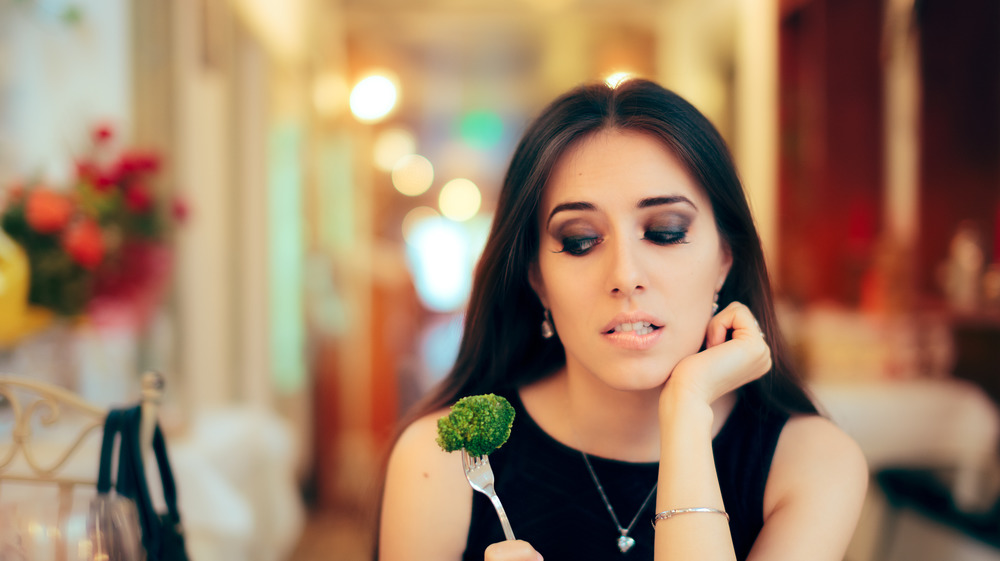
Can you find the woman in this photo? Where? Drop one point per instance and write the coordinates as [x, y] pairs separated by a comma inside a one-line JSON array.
[[622, 305]]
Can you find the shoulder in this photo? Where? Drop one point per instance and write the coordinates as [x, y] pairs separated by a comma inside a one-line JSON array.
[[819, 475], [813, 452], [419, 438], [816, 442], [427, 504]]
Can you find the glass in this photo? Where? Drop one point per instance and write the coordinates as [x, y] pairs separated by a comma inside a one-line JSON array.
[[108, 529]]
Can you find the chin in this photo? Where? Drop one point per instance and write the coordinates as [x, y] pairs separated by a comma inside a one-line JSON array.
[[629, 373], [637, 381]]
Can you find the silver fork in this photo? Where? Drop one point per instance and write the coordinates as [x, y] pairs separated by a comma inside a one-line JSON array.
[[480, 476]]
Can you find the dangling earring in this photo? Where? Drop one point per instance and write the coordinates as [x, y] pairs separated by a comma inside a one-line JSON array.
[[715, 304], [547, 330]]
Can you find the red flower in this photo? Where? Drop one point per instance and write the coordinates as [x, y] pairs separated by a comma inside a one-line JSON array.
[[149, 162], [138, 161], [138, 199], [102, 133], [84, 243], [47, 212], [86, 170], [179, 209], [105, 180]]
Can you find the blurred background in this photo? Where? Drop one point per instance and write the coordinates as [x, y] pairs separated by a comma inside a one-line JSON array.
[[279, 205]]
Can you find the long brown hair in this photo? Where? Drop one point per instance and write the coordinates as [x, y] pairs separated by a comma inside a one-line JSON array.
[[501, 345]]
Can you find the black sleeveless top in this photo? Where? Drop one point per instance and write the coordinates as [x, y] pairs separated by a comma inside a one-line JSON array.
[[552, 502]]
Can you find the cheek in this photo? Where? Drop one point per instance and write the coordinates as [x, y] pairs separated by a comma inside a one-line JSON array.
[[560, 277], [690, 299]]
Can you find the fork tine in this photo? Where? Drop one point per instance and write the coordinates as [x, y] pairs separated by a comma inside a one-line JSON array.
[[480, 475]]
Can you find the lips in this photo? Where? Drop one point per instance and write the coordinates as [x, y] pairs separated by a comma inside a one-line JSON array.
[[636, 322], [633, 331], [639, 327]]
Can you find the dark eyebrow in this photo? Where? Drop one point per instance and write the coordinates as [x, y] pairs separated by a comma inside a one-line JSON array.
[[657, 201], [569, 206], [644, 203]]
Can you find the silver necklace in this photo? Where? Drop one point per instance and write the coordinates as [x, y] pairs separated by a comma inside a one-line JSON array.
[[625, 542]]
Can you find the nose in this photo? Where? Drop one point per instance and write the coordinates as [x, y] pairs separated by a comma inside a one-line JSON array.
[[626, 270]]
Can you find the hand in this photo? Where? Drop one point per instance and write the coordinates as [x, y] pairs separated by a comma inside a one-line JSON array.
[[725, 364], [512, 550]]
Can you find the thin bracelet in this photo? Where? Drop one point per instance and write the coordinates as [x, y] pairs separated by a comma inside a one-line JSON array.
[[673, 512]]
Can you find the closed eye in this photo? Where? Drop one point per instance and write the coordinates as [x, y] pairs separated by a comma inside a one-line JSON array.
[[579, 245], [666, 237]]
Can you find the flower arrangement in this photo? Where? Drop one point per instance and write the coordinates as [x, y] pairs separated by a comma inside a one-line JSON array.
[[101, 240]]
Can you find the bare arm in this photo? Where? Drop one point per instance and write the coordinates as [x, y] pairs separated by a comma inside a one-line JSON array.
[[688, 480], [814, 494], [427, 504], [818, 477]]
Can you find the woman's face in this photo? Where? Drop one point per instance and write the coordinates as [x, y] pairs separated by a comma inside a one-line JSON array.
[[629, 259]]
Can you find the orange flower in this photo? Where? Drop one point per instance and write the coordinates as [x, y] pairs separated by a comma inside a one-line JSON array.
[[84, 243], [47, 212]]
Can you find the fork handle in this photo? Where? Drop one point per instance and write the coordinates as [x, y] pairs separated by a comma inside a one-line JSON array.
[[501, 513]]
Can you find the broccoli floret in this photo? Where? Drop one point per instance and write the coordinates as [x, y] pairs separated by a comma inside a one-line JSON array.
[[478, 423]]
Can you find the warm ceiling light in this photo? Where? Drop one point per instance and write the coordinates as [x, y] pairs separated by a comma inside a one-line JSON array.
[[614, 80], [373, 98]]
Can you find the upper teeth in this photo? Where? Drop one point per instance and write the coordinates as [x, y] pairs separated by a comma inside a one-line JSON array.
[[640, 327]]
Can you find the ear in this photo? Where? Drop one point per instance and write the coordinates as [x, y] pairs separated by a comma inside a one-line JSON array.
[[535, 280], [726, 263]]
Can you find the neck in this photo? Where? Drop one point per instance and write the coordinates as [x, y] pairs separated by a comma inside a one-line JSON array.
[[606, 422], [583, 413], [614, 423]]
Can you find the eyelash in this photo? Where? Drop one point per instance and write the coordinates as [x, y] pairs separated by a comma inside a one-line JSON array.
[[582, 245], [579, 245], [666, 237]]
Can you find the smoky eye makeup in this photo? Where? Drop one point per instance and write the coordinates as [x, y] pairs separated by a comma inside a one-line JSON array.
[[575, 238], [668, 228]]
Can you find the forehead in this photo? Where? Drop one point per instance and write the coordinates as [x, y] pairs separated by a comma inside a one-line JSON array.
[[618, 164]]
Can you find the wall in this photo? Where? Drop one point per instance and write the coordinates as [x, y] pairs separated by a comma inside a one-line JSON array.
[[58, 77]]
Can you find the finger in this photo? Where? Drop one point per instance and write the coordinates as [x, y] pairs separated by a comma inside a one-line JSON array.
[[738, 319], [742, 321], [746, 328], [735, 317], [512, 550]]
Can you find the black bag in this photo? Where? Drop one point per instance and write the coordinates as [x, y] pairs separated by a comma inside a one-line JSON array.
[[113, 521], [162, 534]]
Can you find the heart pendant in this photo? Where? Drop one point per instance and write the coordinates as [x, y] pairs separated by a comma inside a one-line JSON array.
[[625, 543]]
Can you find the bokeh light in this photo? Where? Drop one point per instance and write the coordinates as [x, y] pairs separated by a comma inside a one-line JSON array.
[[414, 218], [391, 145], [438, 256], [412, 175], [373, 98], [481, 129], [459, 199], [438, 347]]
